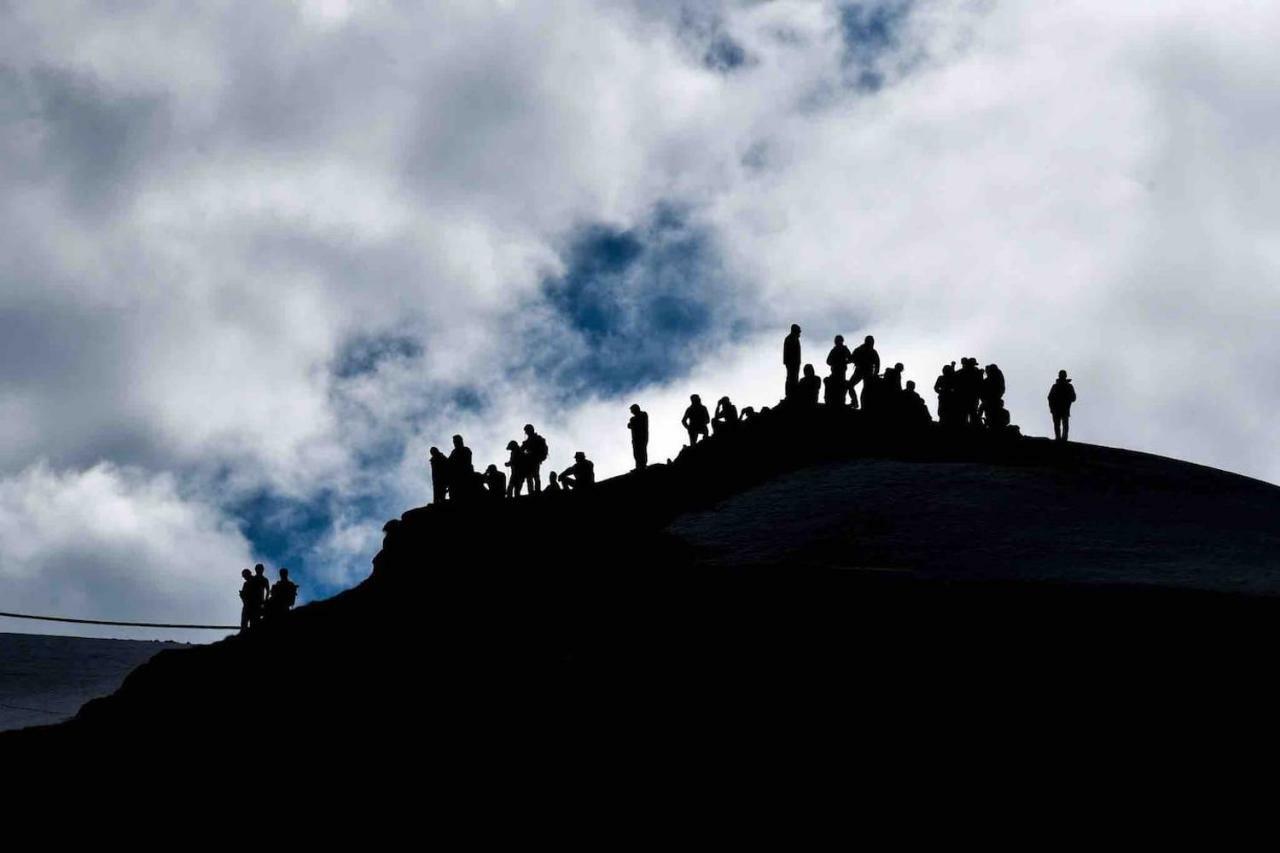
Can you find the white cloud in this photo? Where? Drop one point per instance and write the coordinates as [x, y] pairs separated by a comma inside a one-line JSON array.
[[115, 544]]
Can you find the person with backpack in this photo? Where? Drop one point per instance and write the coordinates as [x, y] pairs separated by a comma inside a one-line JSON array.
[[695, 421], [519, 469], [284, 593], [1061, 396], [535, 452]]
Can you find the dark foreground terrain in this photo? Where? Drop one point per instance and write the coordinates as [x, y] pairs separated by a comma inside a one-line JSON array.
[[45, 680], [812, 583]]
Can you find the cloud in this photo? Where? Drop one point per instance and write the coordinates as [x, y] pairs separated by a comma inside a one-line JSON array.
[[268, 257], [115, 544]]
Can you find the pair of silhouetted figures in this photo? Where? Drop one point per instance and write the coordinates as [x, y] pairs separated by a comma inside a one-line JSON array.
[[260, 599], [971, 395]]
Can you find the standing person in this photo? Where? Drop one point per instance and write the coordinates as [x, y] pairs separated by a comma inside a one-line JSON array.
[[866, 362], [284, 593], [439, 475], [580, 475], [248, 617], [968, 385], [695, 421], [945, 388], [519, 469], [639, 426], [535, 453], [791, 359], [461, 471], [838, 360], [258, 591], [1061, 396]]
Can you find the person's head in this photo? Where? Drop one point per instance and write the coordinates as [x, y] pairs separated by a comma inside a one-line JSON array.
[[635, 408], [724, 400], [580, 456], [551, 478], [284, 573], [259, 569], [911, 385], [528, 429], [898, 368], [795, 330], [1062, 374], [512, 445], [246, 574], [457, 441], [435, 452], [839, 340], [808, 370], [869, 340], [991, 367], [948, 369], [695, 399], [492, 469]]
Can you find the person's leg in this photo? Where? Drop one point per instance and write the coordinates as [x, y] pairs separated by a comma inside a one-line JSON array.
[[1066, 425], [693, 437], [535, 479], [1057, 427]]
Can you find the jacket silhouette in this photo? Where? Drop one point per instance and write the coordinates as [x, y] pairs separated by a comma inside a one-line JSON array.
[[1061, 396], [791, 359], [639, 426], [695, 421], [580, 475]]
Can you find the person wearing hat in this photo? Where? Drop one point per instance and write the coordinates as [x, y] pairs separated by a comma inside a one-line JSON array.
[[1061, 396], [580, 475]]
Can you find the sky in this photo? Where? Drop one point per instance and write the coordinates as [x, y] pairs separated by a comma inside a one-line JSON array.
[[257, 258]]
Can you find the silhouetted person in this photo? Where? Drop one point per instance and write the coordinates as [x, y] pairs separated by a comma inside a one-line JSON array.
[[536, 452], [248, 609], [833, 388], [993, 383], [495, 482], [945, 388], [866, 362], [639, 426], [695, 421], [838, 360], [439, 475], [519, 466], [1061, 396], [748, 412], [809, 388], [284, 593], [791, 359], [893, 378], [994, 414], [968, 388], [553, 485], [462, 473], [259, 588], [914, 408], [726, 416], [580, 475]]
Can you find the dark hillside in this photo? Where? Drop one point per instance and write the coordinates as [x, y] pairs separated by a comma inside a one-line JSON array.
[[813, 563]]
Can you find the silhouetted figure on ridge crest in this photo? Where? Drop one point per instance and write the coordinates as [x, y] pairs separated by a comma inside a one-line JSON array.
[[695, 421], [580, 475], [495, 483], [791, 360], [439, 476], [810, 387], [866, 362], [284, 593], [726, 417], [639, 427], [914, 408], [518, 462], [536, 452], [1061, 396], [838, 360], [968, 388], [945, 388], [462, 473], [553, 485], [248, 609]]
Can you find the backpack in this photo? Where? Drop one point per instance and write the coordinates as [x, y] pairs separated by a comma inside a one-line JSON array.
[[538, 445]]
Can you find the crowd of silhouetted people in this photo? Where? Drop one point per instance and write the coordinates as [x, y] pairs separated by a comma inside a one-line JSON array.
[[968, 396], [263, 601]]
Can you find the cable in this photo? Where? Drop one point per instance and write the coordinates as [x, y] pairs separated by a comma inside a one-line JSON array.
[[122, 624]]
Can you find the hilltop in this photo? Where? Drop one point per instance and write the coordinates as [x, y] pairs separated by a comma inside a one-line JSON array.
[[811, 561]]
